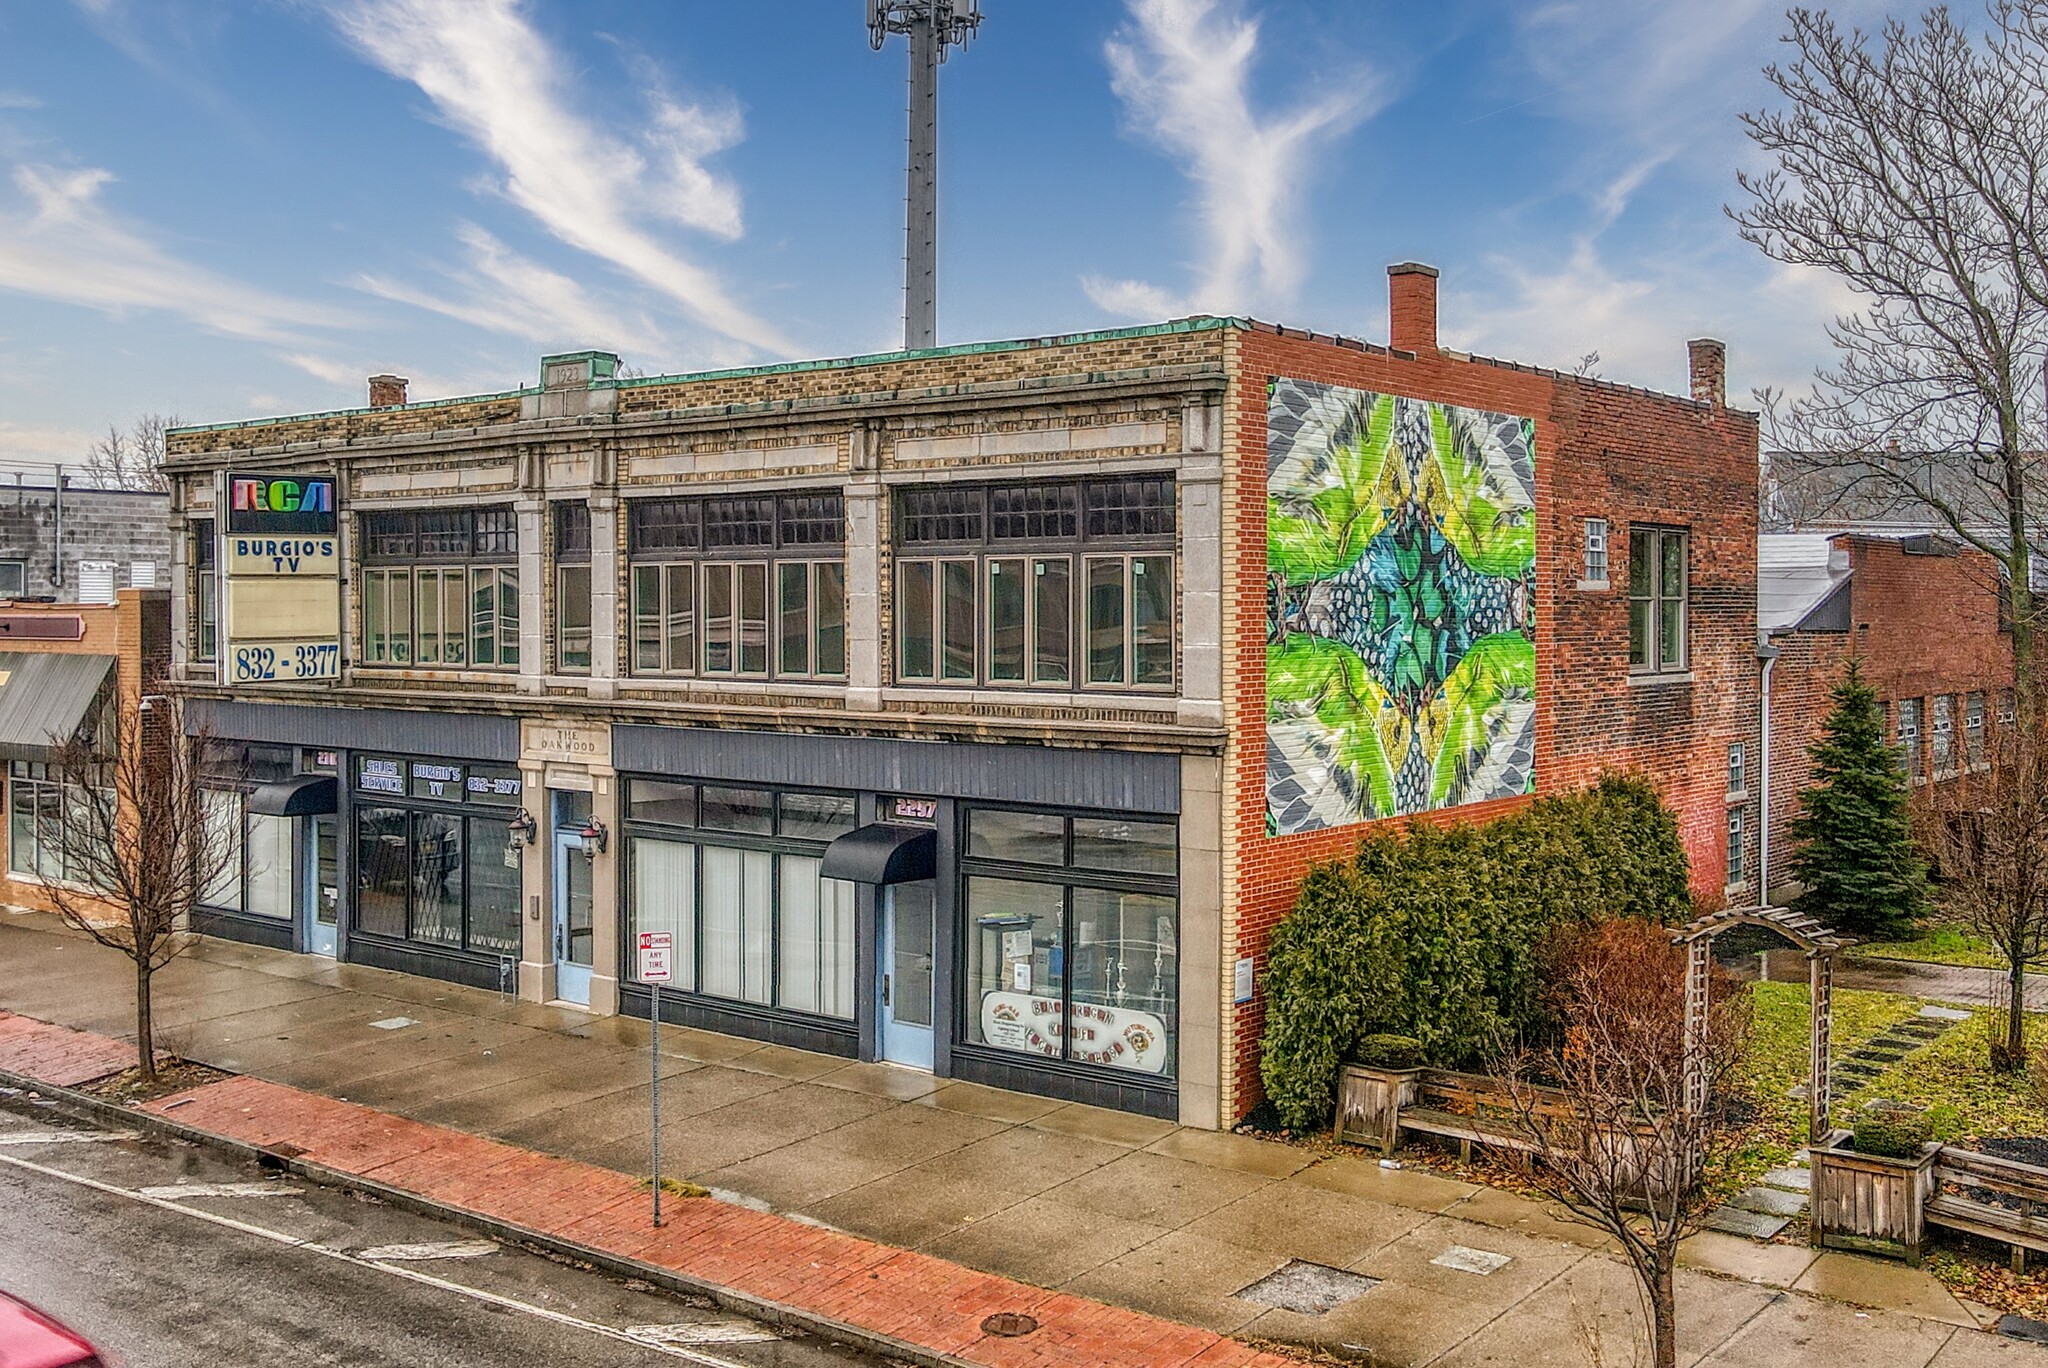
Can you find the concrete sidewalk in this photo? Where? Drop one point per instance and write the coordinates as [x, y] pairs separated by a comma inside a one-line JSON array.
[[1126, 1211]]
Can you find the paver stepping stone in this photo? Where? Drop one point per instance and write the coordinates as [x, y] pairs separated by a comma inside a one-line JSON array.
[[1791, 1179], [1468, 1260], [1769, 1201], [1754, 1224], [1944, 1014]]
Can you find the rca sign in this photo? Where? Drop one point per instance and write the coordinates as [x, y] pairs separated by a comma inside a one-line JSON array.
[[280, 562]]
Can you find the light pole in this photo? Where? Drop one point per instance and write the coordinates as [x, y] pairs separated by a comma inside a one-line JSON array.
[[933, 27]]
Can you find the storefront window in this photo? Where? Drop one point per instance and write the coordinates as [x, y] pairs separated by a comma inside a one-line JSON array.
[[441, 587], [1073, 943], [734, 875], [43, 804], [440, 869]]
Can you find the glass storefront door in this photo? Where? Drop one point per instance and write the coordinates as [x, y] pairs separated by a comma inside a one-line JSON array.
[[319, 885], [575, 896], [905, 991]]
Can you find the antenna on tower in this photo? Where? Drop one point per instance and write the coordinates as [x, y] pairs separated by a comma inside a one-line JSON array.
[[933, 26]]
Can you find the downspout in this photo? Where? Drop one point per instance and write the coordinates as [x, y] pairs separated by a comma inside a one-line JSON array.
[[1768, 654]]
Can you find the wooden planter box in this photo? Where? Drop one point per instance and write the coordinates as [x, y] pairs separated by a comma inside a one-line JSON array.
[[1869, 1202], [1369, 1103]]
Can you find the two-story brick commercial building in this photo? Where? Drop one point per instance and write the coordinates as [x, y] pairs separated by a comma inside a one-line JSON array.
[[977, 709], [1920, 613]]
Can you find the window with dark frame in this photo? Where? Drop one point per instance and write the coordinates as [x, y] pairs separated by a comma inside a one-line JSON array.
[[1071, 931], [431, 838], [739, 587], [736, 876], [572, 587], [205, 589], [1658, 574], [441, 587], [1044, 584]]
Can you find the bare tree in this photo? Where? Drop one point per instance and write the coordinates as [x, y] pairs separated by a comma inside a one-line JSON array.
[[134, 844], [1909, 165], [133, 459], [1987, 831], [1605, 1111]]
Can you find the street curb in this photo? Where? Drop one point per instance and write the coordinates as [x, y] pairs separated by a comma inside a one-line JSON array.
[[88, 1107]]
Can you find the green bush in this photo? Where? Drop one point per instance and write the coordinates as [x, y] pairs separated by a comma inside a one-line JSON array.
[[1896, 1133], [1439, 934], [1385, 1051]]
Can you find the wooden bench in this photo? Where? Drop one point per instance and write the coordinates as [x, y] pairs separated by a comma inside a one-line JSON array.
[[1473, 1110], [2027, 1184]]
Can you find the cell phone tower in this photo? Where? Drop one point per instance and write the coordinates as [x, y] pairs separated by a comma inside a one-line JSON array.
[[933, 27]]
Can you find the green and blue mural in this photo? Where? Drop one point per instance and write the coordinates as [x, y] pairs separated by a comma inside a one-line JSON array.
[[1400, 623]]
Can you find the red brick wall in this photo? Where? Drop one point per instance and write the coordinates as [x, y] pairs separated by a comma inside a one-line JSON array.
[[1921, 626], [1602, 451]]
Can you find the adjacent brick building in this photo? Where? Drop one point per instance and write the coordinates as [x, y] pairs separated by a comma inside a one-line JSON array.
[[978, 709], [1919, 613], [83, 544]]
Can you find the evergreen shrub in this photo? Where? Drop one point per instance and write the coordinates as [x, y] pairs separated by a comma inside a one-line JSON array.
[[1890, 1132], [1387, 1051], [1438, 934]]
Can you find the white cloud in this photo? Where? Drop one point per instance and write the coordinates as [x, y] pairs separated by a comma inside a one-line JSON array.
[[19, 443], [504, 292], [19, 99], [1183, 69], [495, 80], [64, 244]]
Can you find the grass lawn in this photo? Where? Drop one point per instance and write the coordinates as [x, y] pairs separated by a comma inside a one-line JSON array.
[[1780, 1032], [1936, 944], [1955, 1072]]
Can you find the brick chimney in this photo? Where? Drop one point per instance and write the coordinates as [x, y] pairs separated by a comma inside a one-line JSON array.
[[1411, 308], [1709, 362], [387, 391]]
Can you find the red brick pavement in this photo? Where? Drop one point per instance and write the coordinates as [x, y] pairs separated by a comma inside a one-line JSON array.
[[912, 1297]]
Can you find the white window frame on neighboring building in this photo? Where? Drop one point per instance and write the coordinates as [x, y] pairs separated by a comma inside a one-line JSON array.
[[1595, 554]]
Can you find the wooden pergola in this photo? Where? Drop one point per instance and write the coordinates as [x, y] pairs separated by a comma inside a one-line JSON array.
[[1819, 945]]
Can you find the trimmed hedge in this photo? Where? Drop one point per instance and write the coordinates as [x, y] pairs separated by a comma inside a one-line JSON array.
[[1895, 1134], [1438, 934], [1390, 1052]]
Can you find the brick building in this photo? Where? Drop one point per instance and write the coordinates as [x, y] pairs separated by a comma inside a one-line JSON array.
[[977, 709], [82, 544], [61, 667], [1921, 615]]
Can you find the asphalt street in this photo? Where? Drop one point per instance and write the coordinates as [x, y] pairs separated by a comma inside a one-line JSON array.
[[167, 1256]]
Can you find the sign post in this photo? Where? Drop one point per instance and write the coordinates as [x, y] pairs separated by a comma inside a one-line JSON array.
[[657, 949]]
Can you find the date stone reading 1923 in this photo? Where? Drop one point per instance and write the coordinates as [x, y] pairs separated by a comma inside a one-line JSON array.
[[280, 559]]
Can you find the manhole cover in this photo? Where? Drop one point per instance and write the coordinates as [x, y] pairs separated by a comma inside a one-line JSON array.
[[1009, 1324], [1309, 1288]]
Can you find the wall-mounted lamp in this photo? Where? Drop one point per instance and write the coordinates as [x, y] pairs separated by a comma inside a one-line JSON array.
[[523, 829], [595, 838]]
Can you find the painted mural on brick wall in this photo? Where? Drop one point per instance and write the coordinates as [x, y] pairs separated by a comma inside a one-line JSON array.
[[1400, 626]]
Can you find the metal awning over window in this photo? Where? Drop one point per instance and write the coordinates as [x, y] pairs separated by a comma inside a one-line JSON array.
[[45, 698], [304, 795], [883, 853]]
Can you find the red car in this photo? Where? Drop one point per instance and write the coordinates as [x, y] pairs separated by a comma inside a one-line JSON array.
[[30, 1339]]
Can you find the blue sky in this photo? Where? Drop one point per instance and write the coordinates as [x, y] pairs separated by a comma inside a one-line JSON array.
[[227, 208]]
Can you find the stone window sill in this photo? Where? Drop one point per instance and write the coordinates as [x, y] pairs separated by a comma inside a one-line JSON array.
[[1592, 586], [1643, 679]]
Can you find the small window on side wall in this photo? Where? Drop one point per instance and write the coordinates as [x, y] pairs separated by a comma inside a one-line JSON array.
[[1736, 766], [1595, 576]]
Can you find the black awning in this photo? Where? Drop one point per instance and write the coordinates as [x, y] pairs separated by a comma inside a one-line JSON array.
[[306, 795], [884, 854]]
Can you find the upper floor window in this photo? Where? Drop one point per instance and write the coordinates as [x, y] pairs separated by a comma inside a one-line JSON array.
[[751, 586], [1735, 871], [1973, 728], [572, 587], [441, 587], [1909, 737], [1037, 585], [1944, 734], [1736, 766], [1657, 577], [205, 589], [1596, 551]]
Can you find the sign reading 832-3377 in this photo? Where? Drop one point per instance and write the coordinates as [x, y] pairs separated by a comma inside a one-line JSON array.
[[283, 661], [281, 591]]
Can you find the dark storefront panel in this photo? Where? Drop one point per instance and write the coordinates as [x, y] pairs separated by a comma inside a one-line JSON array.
[[397, 730], [1112, 781]]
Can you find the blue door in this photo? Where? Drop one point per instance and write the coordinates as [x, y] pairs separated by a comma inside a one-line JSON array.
[[320, 884], [906, 915], [574, 939]]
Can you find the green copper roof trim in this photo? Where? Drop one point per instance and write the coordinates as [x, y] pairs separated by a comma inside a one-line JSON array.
[[1180, 325], [273, 421], [1200, 323]]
